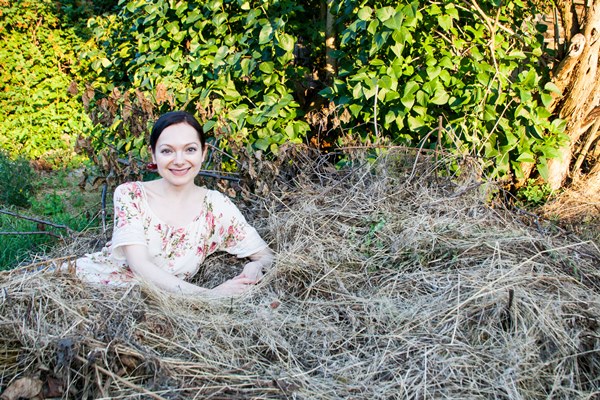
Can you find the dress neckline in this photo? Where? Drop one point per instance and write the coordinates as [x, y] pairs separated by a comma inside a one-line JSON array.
[[151, 211]]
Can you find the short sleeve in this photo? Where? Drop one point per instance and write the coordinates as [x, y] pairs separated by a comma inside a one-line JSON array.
[[128, 221], [234, 234]]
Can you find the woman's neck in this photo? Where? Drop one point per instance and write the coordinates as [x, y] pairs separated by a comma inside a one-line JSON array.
[[172, 191]]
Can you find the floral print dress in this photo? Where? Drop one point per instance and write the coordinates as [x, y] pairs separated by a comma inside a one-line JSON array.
[[219, 226]]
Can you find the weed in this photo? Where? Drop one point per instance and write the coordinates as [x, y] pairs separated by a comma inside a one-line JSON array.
[[16, 181], [534, 194]]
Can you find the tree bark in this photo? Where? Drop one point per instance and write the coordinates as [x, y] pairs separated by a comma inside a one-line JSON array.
[[577, 75]]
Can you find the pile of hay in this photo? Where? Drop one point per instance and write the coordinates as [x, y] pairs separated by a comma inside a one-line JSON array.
[[390, 282]]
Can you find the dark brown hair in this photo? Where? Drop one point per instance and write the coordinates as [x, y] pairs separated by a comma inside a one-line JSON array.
[[174, 118]]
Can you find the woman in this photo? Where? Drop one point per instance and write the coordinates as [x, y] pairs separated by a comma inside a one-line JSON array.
[[164, 229]]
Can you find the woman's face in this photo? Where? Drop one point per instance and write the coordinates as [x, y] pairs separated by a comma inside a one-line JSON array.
[[179, 154]]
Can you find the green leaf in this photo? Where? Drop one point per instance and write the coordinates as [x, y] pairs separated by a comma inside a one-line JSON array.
[[433, 72], [387, 82], [286, 42], [415, 123], [408, 101], [445, 22], [410, 88], [357, 91], [365, 13], [384, 13], [208, 126], [451, 10], [266, 34], [550, 86], [372, 28], [440, 97], [266, 67], [542, 167], [546, 99], [526, 157], [105, 62], [262, 144], [395, 22]]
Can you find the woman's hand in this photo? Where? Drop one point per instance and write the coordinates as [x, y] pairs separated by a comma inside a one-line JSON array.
[[233, 287], [252, 271]]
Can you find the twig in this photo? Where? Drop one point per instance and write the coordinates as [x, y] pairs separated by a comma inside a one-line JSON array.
[[125, 382], [375, 111], [39, 221], [47, 262], [32, 233], [103, 210]]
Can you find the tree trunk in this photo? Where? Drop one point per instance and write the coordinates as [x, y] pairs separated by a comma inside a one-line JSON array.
[[577, 76]]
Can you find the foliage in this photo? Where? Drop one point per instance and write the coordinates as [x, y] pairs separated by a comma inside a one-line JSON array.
[[52, 197], [229, 61], [40, 112], [16, 178], [534, 194], [402, 66], [17, 248]]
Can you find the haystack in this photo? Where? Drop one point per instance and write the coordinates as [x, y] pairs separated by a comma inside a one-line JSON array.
[[391, 281]]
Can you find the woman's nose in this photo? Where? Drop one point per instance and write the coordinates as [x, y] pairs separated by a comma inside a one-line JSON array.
[[179, 158]]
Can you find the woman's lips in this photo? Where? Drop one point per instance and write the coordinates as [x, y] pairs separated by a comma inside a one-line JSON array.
[[179, 172]]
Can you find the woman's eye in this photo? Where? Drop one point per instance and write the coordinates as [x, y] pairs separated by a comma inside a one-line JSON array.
[[192, 150], [165, 151]]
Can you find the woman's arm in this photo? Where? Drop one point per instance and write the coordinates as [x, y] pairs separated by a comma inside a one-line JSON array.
[[260, 261], [140, 263]]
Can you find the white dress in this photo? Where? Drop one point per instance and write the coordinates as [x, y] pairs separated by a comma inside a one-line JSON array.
[[218, 226]]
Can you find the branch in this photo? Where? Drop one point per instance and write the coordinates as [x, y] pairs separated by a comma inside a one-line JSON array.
[[593, 135], [32, 233], [39, 221], [563, 76], [489, 21]]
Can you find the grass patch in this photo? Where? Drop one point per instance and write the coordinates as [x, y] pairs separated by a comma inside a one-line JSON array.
[[54, 197]]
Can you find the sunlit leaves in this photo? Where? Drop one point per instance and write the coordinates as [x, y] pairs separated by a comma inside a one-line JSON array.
[[227, 56]]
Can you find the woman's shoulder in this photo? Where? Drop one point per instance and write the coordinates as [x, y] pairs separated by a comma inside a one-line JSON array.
[[132, 189], [212, 194], [218, 199]]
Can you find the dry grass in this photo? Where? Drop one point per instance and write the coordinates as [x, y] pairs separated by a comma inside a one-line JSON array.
[[384, 287]]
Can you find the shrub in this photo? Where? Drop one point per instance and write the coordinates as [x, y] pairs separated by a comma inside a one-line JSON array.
[[16, 181]]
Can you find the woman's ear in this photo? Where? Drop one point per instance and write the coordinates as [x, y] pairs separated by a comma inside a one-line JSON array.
[[151, 154]]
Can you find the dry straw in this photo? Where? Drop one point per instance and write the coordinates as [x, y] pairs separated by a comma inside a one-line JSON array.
[[390, 282]]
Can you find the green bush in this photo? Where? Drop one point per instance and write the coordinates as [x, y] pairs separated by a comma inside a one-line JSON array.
[[229, 61], [16, 181], [403, 66], [41, 113]]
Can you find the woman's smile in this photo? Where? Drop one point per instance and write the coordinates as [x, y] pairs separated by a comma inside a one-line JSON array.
[[179, 171]]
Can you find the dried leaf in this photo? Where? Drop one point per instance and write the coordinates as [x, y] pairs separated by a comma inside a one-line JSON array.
[[53, 387], [22, 388], [72, 90], [161, 93]]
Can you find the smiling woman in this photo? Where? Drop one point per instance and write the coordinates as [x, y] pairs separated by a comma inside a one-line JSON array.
[[164, 229]]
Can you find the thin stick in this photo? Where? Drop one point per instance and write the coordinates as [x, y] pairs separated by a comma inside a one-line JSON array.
[[39, 221], [32, 233], [123, 381], [375, 111]]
